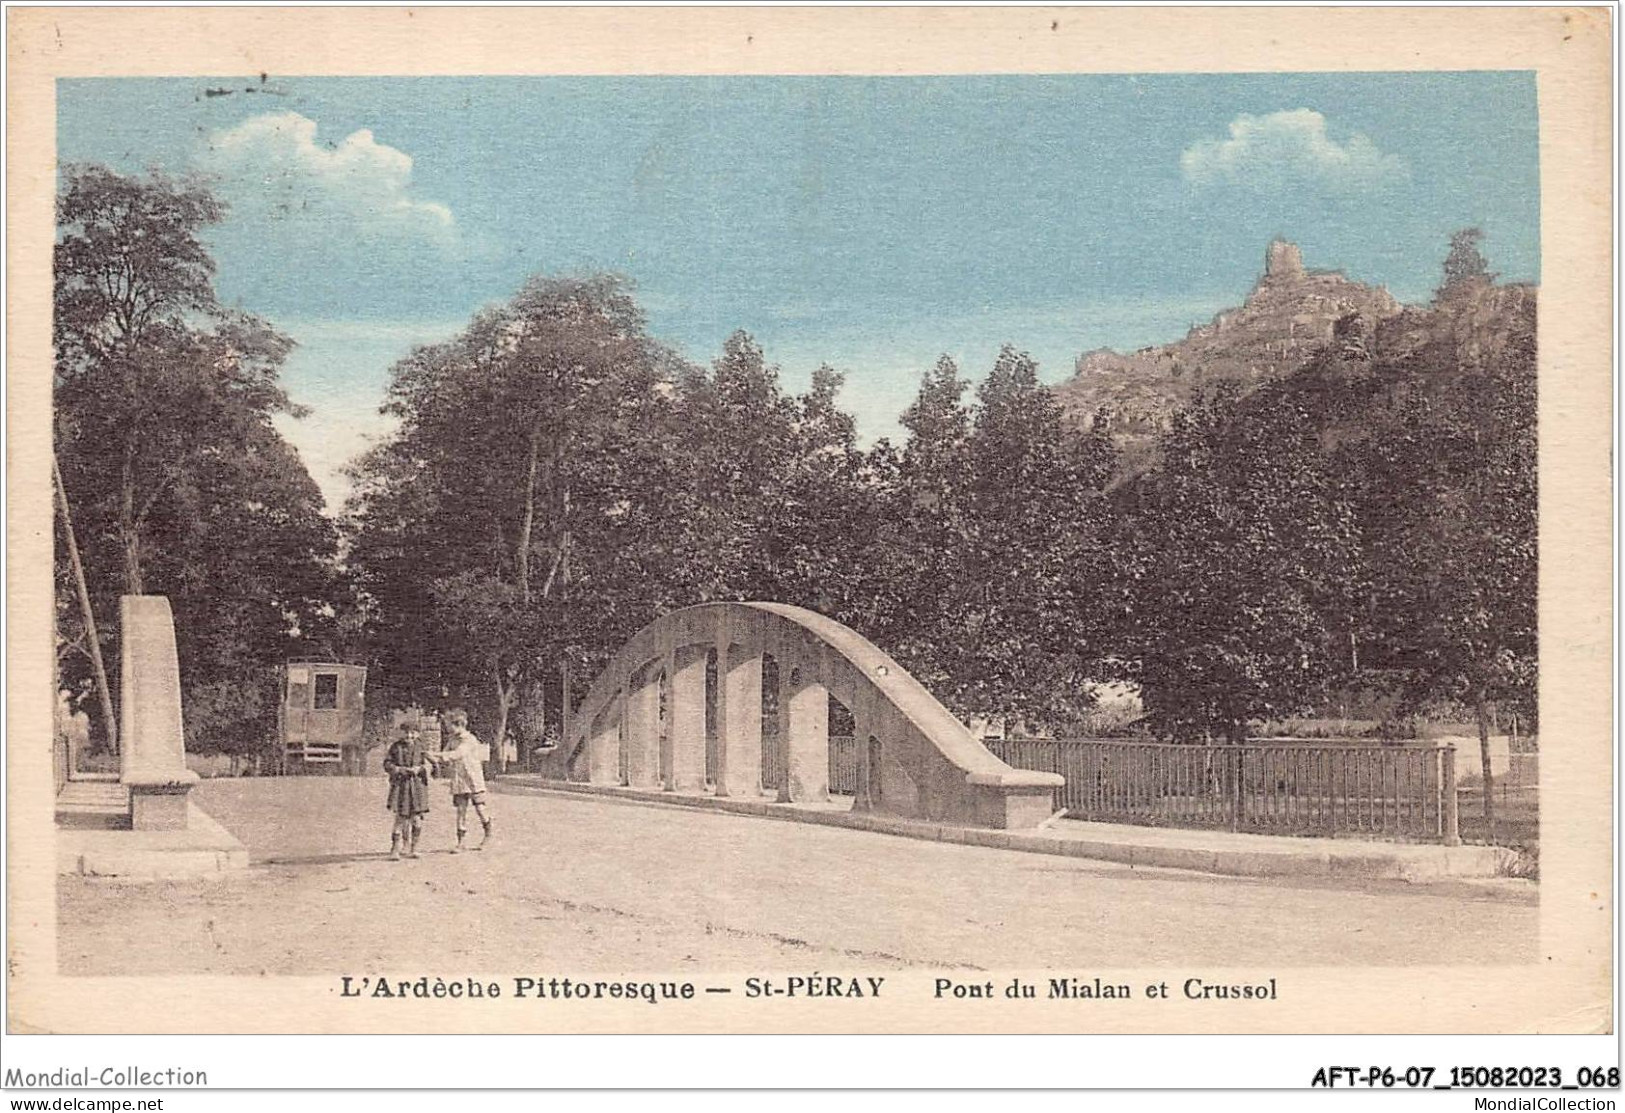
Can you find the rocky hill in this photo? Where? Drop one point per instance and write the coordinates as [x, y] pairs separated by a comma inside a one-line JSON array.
[[1289, 317]]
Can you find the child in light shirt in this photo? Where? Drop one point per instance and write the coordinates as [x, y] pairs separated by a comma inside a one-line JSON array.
[[462, 761]]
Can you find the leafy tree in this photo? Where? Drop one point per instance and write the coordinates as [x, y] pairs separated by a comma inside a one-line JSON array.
[[821, 532], [149, 366], [938, 423], [1450, 514], [1242, 550], [919, 552], [255, 583], [472, 515], [1035, 515], [1002, 547], [736, 433], [178, 481]]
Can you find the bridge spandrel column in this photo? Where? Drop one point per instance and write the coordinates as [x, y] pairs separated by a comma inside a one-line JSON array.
[[739, 721], [642, 730], [865, 723], [804, 727], [687, 766], [604, 745]]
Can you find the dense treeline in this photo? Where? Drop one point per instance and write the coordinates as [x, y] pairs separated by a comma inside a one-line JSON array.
[[558, 478], [1368, 521], [554, 487]]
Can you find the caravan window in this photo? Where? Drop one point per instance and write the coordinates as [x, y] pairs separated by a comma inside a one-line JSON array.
[[327, 691]]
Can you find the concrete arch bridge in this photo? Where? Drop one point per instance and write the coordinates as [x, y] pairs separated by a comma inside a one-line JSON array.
[[680, 707]]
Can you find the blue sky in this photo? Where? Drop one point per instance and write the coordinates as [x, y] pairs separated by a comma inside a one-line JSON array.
[[872, 223]]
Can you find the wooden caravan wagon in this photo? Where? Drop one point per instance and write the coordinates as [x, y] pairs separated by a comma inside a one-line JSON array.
[[321, 717]]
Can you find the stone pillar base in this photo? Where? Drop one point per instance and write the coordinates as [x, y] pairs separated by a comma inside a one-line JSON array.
[[160, 805], [1014, 801], [804, 733]]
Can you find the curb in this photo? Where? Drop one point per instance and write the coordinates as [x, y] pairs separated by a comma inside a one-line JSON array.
[[1362, 862], [203, 849]]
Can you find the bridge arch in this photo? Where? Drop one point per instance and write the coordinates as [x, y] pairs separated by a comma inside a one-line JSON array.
[[915, 759]]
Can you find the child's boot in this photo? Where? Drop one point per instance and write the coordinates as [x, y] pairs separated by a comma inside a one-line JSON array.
[[395, 847], [458, 849], [486, 836], [412, 842]]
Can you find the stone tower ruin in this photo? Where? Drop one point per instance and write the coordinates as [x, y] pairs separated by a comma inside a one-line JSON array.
[[1283, 259]]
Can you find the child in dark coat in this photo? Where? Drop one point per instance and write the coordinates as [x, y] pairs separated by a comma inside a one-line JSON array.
[[408, 790]]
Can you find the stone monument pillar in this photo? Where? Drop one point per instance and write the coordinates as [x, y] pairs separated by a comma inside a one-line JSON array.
[[151, 742]]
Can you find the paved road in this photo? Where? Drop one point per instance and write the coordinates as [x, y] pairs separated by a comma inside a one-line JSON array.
[[594, 885]]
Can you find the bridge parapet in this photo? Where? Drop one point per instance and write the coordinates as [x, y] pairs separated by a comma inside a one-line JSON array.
[[915, 759]]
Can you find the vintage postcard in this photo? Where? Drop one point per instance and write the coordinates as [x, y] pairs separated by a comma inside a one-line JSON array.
[[809, 521]]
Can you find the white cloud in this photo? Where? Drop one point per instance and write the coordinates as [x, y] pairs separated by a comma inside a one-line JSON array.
[[1289, 147], [340, 371], [274, 166], [328, 441]]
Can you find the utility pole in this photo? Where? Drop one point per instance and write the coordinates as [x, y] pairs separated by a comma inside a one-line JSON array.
[[564, 717], [109, 719]]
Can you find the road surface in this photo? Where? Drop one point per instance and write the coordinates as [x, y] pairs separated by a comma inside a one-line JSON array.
[[591, 885]]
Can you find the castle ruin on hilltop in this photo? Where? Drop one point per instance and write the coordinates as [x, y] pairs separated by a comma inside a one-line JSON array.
[[1291, 312]]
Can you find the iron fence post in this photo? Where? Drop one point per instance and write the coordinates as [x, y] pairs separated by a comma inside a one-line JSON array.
[[1235, 789], [1452, 810]]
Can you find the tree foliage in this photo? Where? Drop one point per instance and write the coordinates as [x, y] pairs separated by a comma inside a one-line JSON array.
[[178, 481], [1243, 557], [473, 524], [557, 478], [1371, 517], [1034, 551], [1368, 519]]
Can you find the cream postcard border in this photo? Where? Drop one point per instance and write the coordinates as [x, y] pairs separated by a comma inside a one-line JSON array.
[[1568, 990]]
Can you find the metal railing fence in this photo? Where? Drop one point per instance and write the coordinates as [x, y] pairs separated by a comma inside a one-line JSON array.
[[1403, 791]]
